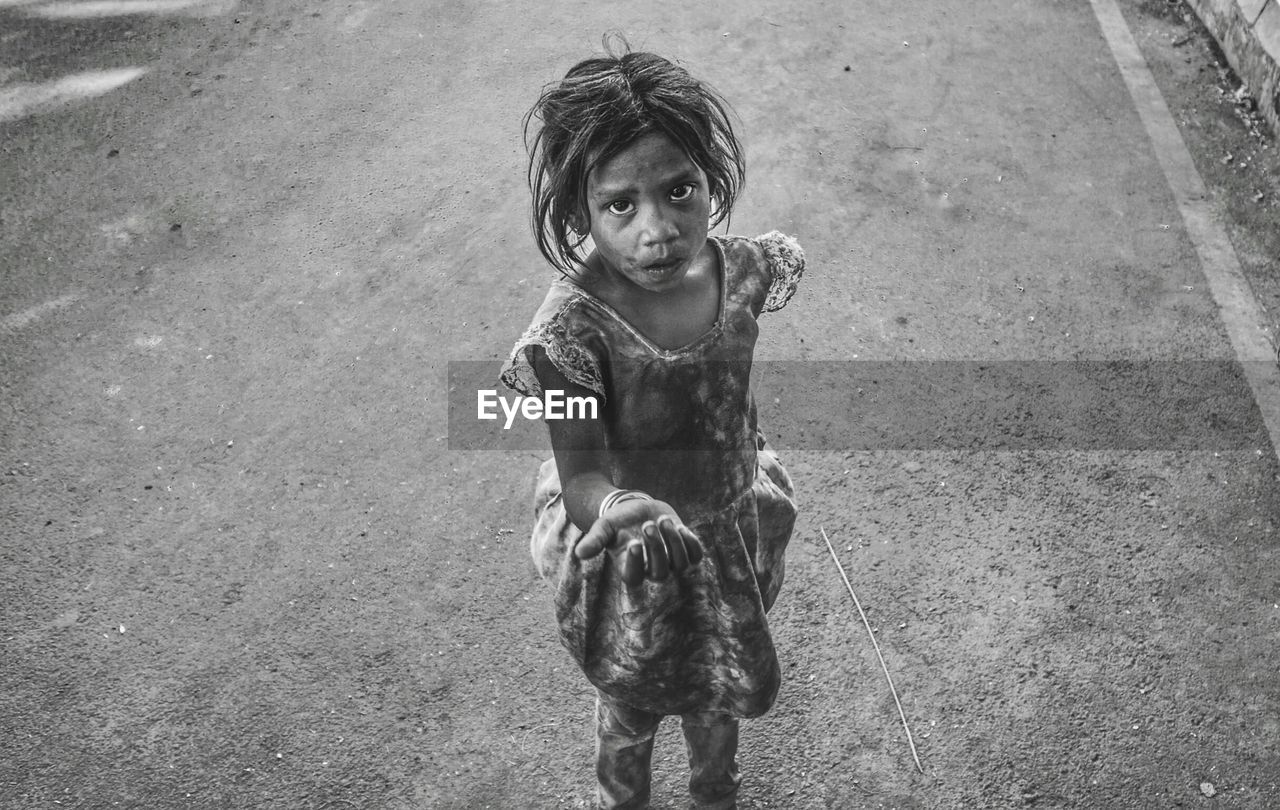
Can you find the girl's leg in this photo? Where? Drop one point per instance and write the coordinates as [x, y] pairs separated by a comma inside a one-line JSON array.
[[712, 742], [624, 749]]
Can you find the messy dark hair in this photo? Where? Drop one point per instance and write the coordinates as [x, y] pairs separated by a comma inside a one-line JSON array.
[[601, 106]]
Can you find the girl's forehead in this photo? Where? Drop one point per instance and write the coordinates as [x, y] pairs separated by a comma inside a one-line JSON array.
[[652, 159]]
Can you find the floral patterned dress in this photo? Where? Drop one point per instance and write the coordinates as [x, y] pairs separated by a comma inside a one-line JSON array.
[[680, 425]]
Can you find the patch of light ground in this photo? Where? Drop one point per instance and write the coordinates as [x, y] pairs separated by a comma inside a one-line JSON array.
[[26, 98], [19, 320], [119, 8]]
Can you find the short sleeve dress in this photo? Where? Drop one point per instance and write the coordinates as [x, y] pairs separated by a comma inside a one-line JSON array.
[[680, 425]]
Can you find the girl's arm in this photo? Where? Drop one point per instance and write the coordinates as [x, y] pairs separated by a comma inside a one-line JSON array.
[[646, 536], [578, 445]]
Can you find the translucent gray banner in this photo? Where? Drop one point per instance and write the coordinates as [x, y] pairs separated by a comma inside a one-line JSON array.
[[926, 405]]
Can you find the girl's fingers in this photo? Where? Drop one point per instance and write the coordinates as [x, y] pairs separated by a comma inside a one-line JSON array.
[[659, 564], [653, 552], [633, 563], [692, 547], [674, 544]]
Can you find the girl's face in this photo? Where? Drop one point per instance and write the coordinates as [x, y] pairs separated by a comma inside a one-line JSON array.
[[649, 206]]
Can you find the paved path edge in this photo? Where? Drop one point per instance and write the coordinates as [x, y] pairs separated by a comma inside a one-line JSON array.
[[1248, 31]]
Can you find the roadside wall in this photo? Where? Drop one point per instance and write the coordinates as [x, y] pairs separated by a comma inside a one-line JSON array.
[[1249, 33]]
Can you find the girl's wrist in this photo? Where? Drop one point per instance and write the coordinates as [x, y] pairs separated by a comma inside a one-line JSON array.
[[617, 496]]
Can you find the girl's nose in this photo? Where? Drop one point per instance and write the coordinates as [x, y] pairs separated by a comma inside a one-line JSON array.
[[658, 228]]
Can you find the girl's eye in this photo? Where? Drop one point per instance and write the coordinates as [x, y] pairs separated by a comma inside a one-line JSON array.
[[620, 207], [682, 192]]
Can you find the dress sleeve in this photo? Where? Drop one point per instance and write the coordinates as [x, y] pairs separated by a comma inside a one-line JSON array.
[[565, 351], [786, 264]]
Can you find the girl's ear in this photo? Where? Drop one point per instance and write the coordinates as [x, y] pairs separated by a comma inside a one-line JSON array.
[[577, 223]]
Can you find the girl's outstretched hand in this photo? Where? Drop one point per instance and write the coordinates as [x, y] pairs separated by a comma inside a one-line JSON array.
[[646, 539]]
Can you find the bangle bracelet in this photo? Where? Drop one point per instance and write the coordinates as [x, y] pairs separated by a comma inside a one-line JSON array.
[[618, 496]]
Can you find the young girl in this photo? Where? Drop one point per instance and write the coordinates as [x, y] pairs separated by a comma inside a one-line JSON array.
[[662, 521]]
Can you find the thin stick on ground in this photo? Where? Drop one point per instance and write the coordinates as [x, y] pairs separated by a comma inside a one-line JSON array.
[[903, 715]]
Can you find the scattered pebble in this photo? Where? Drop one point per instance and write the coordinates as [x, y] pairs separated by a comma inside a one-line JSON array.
[[1208, 789], [67, 619]]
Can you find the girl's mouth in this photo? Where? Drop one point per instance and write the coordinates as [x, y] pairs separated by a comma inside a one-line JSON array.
[[663, 267]]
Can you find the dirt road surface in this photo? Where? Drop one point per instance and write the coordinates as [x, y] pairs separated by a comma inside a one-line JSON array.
[[247, 564]]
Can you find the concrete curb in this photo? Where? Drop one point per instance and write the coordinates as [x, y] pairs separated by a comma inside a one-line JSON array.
[[1249, 33]]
